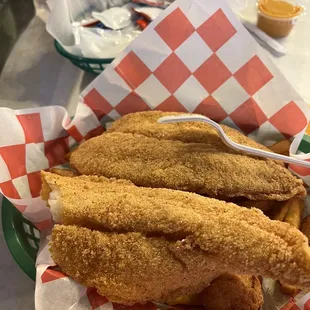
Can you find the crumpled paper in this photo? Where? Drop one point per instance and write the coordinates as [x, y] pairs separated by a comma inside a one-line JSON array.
[[67, 18], [195, 57]]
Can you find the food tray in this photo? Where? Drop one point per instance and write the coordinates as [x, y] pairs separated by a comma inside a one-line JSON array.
[[22, 238], [94, 65]]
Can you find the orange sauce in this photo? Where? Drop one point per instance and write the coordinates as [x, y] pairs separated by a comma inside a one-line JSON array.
[[277, 17], [279, 9]]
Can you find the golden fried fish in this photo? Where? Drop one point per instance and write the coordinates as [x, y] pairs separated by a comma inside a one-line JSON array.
[[196, 167], [214, 236]]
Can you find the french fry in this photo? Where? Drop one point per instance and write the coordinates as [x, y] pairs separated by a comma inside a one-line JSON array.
[[264, 205], [305, 227], [293, 217], [289, 290], [64, 172], [279, 210], [281, 147], [45, 189], [191, 300], [67, 156], [295, 211]]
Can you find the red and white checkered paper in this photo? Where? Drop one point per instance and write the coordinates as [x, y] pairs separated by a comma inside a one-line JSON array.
[[195, 57]]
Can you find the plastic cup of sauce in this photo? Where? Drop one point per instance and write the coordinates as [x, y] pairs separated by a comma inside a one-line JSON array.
[[277, 17]]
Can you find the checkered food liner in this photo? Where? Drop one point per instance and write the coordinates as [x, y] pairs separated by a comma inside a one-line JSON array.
[[195, 57]]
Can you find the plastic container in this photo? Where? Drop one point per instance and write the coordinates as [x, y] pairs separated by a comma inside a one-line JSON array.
[[278, 21]]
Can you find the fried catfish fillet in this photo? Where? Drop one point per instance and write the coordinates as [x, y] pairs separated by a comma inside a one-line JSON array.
[[236, 239], [130, 268], [195, 167], [146, 123], [232, 292]]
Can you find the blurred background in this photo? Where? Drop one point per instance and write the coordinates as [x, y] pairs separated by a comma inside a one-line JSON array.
[[14, 17], [32, 73]]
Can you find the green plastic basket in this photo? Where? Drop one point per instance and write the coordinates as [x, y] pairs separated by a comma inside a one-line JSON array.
[[21, 237], [93, 65]]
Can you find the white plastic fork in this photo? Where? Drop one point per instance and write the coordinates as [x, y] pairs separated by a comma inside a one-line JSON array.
[[229, 142]]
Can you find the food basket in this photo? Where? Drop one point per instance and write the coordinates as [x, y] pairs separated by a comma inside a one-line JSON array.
[[94, 65], [156, 71], [22, 238]]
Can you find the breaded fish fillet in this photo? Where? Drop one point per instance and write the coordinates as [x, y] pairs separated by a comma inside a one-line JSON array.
[[195, 167], [130, 268], [240, 240], [146, 123], [233, 292]]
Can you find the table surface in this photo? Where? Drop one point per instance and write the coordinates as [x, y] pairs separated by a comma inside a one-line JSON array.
[[296, 63], [42, 77]]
